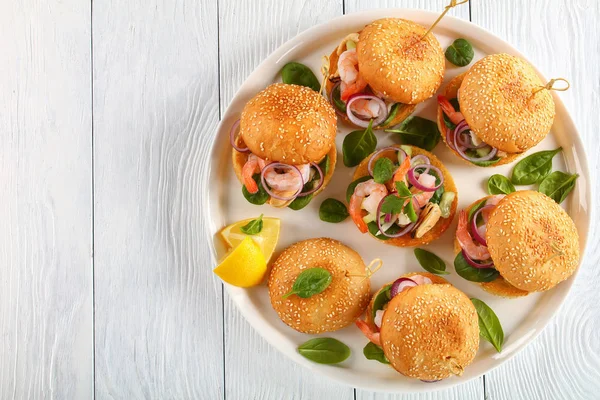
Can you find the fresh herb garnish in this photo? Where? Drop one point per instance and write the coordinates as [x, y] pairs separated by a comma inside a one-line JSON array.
[[460, 53], [447, 121], [299, 74], [404, 194], [418, 132], [430, 262], [357, 145], [310, 282], [374, 352], [382, 298], [489, 325], [259, 197], [324, 350], [383, 170], [558, 185], [478, 206], [352, 186], [437, 195], [473, 274], [253, 227], [499, 184], [533, 168], [333, 210], [373, 229]]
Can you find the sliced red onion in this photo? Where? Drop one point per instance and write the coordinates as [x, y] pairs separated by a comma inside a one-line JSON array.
[[475, 232], [413, 178], [400, 285], [401, 156], [387, 218], [319, 184], [281, 166], [403, 232], [452, 139], [232, 138], [419, 160], [475, 264], [361, 122], [337, 110], [460, 134]]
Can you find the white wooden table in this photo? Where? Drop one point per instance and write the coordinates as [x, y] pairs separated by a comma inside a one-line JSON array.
[[106, 287]]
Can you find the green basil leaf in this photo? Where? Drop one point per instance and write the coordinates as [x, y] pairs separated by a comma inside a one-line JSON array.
[[259, 197], [352, 186], [324, 350], [310, 282], [299, 74], [374, 352], [337, 101], [357, 145], [391, 114], [476, 208], [253, 227], [489, 325], [324, 165], [533, 168], [473, 274], [392, 205], [499, 184], [383, 297], [460, 53], [418, 132], [558, 185], [333, 210], [430, 262], [373, 229], [447, 121], [383, 170]]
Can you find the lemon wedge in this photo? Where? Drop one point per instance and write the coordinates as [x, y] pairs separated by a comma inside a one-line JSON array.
[[266, 239], [244, 266]]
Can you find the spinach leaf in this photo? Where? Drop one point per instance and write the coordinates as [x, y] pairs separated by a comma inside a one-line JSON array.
[[460, 53], [499, 184], [337, 100], [486, 163], [299, 74], [437, 195], [373, 229], [324, 165], [489, 325], [300, 202], [357, 145], [253, 227], [476, 208], [418, 132], [447, 121], [333, 210], [352, 186], [383, 297], [311, 281], [430, 262], [558, 185], [473, 274], [534, 167], [383, 170], [324, 350], [374, 352], [259, 197], [391, 114]]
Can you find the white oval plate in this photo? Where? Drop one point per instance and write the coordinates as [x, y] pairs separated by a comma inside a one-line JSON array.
[[523, 319]]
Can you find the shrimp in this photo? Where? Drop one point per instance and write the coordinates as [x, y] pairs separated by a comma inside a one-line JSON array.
[[421, 280], [252, 166], [368, 332], [366, 108], [420, 196], [491, 201], [400, 174], [366, 195], [473, 250], [352, 81], [288, 181], [448, 109]]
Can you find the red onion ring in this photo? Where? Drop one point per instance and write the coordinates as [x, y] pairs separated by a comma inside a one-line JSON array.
[[475, 264], [475, 232], [337, 110], [361, 122], [232, 138], [463, 127], [387, 218], [413, 178], [400, 285], [272, 193], [321, 179], [424, 158], [451, 139], [403, 232], [378, 152]]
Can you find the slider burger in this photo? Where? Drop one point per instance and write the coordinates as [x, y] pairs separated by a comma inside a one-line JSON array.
[[402, 195], [337, 304], [285, 149], [497, 110], [516, 244], [383, 71], [426, 327]]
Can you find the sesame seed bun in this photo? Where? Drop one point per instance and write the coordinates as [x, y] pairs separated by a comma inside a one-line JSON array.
[[395, 61], [430, 332], [533, 241], [498, 101], [499, 286], [288, 123], [403, 112], [443, 223], [451, 92], [338, 306]]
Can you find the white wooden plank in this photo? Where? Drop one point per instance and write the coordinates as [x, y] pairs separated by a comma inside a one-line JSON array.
[[249, 32], [46, 324], [158, 309], [560, 37]]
